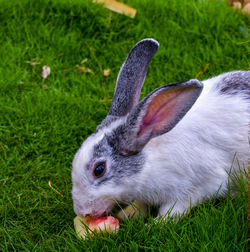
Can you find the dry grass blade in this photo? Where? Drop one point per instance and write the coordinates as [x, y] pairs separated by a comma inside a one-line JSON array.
[[55, 189], [33, 63], [243, 42], [96, 59], [202, 71]]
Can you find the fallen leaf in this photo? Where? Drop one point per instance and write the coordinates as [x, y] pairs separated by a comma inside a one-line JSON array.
[[84, 60], [33, 63], [106, 72], [82, 69], [46, 72], [118, 7]]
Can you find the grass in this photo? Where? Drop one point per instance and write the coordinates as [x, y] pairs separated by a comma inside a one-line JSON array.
[[43, 122]]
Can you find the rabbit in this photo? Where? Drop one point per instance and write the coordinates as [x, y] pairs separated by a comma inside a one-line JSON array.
[[178, 146]]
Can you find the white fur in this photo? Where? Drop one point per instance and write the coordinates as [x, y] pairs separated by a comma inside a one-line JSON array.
[[192, 161]]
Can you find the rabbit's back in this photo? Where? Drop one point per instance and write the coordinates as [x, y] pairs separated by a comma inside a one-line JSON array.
[[201, 150], [235, 83]]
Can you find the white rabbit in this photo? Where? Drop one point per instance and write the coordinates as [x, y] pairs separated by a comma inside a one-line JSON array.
[[174, 148]]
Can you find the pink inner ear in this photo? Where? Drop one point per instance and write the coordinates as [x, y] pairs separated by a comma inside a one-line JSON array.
[[163, 110]]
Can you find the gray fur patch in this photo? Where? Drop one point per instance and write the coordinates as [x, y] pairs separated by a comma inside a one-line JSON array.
[[121, 166], [237, 82]]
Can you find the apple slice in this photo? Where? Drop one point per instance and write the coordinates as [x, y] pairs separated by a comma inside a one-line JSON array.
[[107, 224]]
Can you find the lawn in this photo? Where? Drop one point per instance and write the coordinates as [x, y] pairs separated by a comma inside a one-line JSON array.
[[44, 121]]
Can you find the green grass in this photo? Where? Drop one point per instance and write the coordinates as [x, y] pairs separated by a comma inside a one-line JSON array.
[[43, 122]]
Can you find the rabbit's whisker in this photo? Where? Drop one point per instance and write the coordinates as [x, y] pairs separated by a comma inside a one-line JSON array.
[[121, 208]]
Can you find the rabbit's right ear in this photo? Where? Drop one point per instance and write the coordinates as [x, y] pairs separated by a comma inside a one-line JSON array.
[[131, 77], [156, 114]]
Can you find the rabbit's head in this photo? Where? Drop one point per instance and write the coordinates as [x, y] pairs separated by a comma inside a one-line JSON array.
[[110, 163]]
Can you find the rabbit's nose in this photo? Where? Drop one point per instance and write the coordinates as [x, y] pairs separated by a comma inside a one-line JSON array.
[[80, 211], [84, 212]]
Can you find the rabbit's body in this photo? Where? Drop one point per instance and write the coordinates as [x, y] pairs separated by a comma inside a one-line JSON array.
[[194, 159], [174, 148]]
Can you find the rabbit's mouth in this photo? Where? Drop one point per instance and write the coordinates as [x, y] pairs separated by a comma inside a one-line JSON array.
[[93, 214], [104, 211], [97, 214], [93, 209]]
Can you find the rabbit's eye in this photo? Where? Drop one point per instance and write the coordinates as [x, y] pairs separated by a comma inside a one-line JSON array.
[[99, 170]]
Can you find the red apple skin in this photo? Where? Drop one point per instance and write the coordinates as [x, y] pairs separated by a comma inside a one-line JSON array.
[[106, 223], [110, 220]]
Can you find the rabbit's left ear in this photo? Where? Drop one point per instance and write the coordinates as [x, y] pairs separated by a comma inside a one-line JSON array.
[[158, 113], [131, 77]]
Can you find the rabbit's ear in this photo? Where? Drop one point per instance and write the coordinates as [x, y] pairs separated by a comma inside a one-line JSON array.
[[158, 113], [131, 77]]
